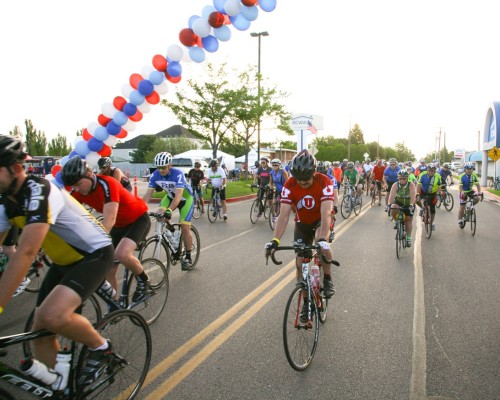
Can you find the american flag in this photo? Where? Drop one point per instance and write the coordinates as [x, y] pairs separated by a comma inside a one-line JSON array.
[[311, 128]]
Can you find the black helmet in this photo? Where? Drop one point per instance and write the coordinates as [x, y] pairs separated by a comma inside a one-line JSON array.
[[104, 162], [213, 163], [11, 151], [403, 173], [74, 170], [303, 166]]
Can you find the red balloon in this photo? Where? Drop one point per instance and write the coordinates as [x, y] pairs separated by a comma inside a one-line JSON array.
[[227, 21], [199, 43], [160, 63], [153, 98], [119, 102], [123, 133], [55, 169], [136, 117], [135, 79], [216, 19], [86, 135], [173, 79], [187, 37], [105, 151], [249, 3], [103, 120]]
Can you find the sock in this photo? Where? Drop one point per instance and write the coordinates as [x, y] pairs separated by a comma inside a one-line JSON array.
[[143, 276], [188, 255], [101, 347], [328, 277]]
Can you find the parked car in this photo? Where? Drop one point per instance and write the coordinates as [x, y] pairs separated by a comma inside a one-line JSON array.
[[455, 165], [187, 163]]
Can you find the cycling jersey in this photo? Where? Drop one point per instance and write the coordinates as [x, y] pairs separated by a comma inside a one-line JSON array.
[[430, 185], [106, 189], [175, 179], [264, 175], [444, 174], [307, 201], [278, 179], [216, 177], [378, 172], [351, 174], [391, 174], [467, 182], [125, 182], [403, 194], [73, 232], [196, 176]]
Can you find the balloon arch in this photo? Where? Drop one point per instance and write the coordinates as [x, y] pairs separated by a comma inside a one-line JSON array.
[[143, 90]]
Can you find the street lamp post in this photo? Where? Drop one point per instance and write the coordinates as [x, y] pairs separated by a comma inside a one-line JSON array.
[[258, 35]]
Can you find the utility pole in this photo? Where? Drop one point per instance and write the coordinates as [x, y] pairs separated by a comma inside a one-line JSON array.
[[349, 141]]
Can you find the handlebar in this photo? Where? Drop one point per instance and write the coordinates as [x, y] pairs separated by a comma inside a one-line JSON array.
[[302, 250]]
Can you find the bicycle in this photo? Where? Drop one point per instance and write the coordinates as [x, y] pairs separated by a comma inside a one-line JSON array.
[[214, 207], [260, 205], [400, 232], [123, 376], [470, 213], [494, 184], [300, 339], [351, 202], [275, 212], [197, 204], [168, 247], [426, 217], [374, 192], [445, 198]]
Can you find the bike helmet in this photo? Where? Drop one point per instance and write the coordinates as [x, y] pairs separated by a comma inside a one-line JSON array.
[[403, 173], [327, 164], [392, 161], [276, 161], [335, 164], [74, 170], [163, 159], [104, 162], [197, 164], [303, 166], [368, 160], [356, 162], [446, 165], [468, 166], [213, 163], [11, 151], [350, 164], [431, 166], [264, 159], [422, 168]]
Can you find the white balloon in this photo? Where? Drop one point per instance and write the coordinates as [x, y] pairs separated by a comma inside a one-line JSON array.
[[232, 7], [174, 52], [146, 70], [206, 11], [92, 127], [108, 110], [201, 27], [111, 140], [129, 126], [126, 90], [144, 108], [77, 139], [92, 158], [162, 88]]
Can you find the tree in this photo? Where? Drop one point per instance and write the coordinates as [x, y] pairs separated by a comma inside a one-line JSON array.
[[403, 153], [356, 135], [36, 142], [174, 145], [144, 149], [59, 146]]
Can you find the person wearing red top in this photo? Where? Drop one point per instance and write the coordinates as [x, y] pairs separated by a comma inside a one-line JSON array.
[[125, 217], [377, 177], [312, 195]]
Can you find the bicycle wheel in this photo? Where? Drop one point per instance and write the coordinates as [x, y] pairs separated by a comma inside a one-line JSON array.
[[195, 249], [150, 308], [212, 210], [255, 212], [156, 247], [472, 217], [90, 309], [449, 202], [275, 211], [439, 200], [374, 195], [127, 369], [345, 207], [300, 340], [323, 302], [37, 272], [399, 239], [358, 202], [196, 208], [267, 209], [427, 222]]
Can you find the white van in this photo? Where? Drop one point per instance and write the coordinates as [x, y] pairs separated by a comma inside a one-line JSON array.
[[187, 163], [455, 165]]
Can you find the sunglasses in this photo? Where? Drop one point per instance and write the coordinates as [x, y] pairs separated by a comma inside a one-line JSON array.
[[163, 168]]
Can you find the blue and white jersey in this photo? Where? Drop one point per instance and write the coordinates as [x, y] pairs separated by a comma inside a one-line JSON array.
[[175, 179]]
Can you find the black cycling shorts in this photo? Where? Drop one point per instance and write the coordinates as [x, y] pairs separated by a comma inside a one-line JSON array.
[[136, 231]]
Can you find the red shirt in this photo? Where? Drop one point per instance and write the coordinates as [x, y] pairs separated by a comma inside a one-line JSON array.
[[108, 189], [308, 201], [378, 173]]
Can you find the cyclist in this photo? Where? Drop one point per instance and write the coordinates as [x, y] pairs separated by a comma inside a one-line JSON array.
[[428, 184], [178, 195], [377, 178], [125, 217], [263, 178], [7, 249], [466, 182], [445, 172], [278, 177], [390, 177], [367, 173], [411, 176], [217, 177], [402, 198], [351, 176], [421, 167], [80, 248], [196, 175], [105, 168], [312, 195]]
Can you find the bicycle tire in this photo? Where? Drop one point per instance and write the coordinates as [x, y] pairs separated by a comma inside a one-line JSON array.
[[357, 204], [195, 249], [275, 211], [399, 240], [196, 208], [212, 211], [267, 209], [374, 195], [36, 274], [449, 202], [345, 207], [156, 247], [323, 301], [151, 308], [91, 310], [126, 372], [472, 217], [254, 211], [439, 200], [300, 341], [427, 222]]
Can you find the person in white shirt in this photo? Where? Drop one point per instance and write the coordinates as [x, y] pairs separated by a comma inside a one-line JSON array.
[[368, 168], [217, 177]]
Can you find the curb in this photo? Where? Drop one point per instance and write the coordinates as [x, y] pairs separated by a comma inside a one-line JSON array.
[[491, 196]]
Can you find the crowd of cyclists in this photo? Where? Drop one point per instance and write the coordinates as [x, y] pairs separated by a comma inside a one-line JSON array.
[[85, 252]]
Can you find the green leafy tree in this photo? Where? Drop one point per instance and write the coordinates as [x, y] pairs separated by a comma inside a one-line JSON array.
[[59, 146], [36, 141], [144, 149], [175, 145], [356, 135], [403, 153]]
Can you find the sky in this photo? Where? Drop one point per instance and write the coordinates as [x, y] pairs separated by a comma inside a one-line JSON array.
[[403, 71]]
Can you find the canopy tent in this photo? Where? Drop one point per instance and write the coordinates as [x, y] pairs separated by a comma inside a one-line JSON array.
[[252, 157], [223, 158]]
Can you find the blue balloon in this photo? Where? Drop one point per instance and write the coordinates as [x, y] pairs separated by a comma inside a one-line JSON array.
[[101, 134], [210, 43], [174, 69], [136, 98], [119, 119], [196, 54], [250, 13], [267, 5], [72, 154], [81, 148], [156, 77], [240, 22], [145, 87], [113, 128], [63, 160], [59, 182], [219, 5], [95, 145], [129, 109], [223, 33]]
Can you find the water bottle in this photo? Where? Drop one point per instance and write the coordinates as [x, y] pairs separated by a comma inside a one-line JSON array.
[[38, 370], [63, 366], [175, 238], [315, 275], [107, 290]]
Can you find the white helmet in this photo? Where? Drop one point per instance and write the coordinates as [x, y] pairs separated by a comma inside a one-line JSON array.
[[162, 159], [276, 161]]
